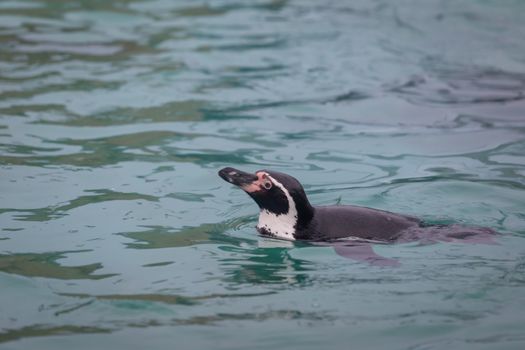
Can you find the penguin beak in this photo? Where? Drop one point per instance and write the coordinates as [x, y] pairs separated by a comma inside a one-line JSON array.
[[237, 177]]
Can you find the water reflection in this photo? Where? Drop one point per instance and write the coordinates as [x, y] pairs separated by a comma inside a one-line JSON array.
[[174, 299], [155, 237], [184, 111], [246, 263], [265, 265], [164, 237], [46, 265], [55, 212], [463, 85], [45, 330]]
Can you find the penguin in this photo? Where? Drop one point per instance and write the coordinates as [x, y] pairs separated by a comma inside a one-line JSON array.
[[286, 213]]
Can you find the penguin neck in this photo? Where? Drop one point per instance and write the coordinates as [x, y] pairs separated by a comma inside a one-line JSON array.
[[305, 211], [286, 225]]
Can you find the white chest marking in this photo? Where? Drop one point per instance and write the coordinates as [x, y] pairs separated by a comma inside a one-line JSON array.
[[283, 225]]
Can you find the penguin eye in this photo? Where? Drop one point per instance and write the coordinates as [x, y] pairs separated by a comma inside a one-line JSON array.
[[267, 184]]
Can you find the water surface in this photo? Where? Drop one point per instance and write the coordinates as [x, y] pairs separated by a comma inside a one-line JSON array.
[[115, 117]]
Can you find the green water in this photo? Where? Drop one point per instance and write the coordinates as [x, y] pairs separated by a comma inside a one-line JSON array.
[[117, 233]]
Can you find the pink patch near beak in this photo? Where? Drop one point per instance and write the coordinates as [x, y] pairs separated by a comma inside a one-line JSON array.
[[257, 185]]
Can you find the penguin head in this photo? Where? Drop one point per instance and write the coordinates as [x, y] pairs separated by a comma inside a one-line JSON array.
[[280, 197]]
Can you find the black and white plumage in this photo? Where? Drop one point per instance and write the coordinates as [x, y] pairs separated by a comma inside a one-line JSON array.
[[286, 213]]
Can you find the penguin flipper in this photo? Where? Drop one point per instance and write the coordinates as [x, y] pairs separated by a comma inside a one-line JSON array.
[[363, 252]]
